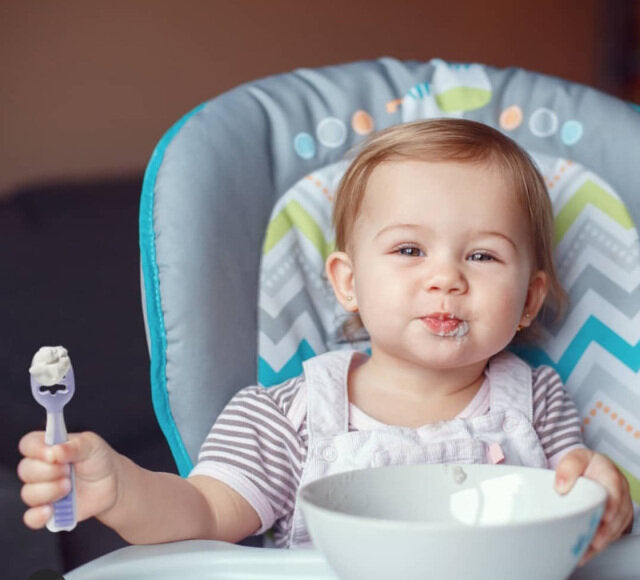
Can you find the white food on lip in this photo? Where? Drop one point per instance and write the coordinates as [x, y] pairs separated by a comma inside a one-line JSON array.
[[459, 331], [50, 364]]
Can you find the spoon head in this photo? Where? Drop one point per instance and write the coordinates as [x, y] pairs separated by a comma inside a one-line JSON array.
[[53, 398]]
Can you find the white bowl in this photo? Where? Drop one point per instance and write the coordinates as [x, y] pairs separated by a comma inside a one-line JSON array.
[[451, 521]]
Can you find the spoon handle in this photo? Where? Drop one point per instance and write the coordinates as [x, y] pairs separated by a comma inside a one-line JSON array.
[[64, 510]]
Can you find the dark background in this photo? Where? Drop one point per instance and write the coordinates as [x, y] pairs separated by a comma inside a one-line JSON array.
[[70, 276], [86, 91]]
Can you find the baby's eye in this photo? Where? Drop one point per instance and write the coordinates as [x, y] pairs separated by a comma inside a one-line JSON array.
[[481, 257], [411, 251]]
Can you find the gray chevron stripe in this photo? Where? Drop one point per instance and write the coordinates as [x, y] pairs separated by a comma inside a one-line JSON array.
[[276, 328], [598, 379], [591, 234], [592, 279], [599, 437], [273, 279]]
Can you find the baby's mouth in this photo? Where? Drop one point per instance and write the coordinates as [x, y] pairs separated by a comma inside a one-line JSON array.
[[445, 324]]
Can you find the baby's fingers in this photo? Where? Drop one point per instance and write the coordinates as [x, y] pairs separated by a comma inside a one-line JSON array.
[[79, 447], [37, 471], [603, 537], [572, 466], [618, 510], [38, 494], [37, 517], [33, 445], [611, 528]]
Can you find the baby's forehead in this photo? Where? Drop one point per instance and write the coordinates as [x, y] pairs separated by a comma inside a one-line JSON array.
[[394, 166], [394, 175], [401, 191]]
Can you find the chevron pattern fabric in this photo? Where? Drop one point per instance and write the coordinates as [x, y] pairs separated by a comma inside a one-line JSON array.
[[595, 349], [298, 315]]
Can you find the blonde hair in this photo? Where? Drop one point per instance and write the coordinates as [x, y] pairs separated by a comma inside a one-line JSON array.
[[457, 140]]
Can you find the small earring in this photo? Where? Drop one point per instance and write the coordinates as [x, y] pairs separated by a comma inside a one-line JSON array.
[[349, 298], [520, 327]]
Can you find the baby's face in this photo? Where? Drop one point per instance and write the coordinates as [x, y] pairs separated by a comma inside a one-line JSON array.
[[441, 262]]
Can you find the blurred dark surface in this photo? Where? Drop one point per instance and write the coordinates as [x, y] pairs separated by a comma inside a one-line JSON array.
[[69, 275]]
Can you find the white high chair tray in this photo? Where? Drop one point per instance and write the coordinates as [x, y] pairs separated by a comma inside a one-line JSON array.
[[205, 559], [223, 561]]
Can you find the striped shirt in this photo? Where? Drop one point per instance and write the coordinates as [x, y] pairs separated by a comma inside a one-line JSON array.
[[258, 445]]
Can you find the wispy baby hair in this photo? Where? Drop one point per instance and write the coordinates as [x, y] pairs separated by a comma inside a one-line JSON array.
[[455, 140]]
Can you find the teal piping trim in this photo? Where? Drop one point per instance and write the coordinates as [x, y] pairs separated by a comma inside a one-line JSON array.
[[155, 319]]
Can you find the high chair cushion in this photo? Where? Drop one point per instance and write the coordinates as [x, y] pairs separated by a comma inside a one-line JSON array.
[[597, 252], [247, 179]]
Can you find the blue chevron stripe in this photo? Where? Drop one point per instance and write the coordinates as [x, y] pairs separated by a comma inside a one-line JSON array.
[[534, 356], [268, 377], [593, 330]]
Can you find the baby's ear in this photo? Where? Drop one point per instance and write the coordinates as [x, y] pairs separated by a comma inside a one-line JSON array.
[[339, 270], [536, 293]]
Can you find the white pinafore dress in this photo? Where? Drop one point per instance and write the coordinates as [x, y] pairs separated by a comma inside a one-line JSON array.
[[505, 433]]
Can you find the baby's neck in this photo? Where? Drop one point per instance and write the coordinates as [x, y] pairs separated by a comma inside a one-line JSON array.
[[412, 396]]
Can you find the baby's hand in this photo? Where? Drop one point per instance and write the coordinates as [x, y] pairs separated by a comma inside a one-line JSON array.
[[619, 509], [44, 471]]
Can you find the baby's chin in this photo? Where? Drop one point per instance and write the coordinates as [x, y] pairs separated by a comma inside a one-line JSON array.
[[454, 352]]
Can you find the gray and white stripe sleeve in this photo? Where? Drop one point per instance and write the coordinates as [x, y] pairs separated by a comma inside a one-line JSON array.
[[555, 417], [255, 449]]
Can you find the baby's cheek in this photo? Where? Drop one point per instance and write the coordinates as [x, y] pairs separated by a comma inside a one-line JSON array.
[[380, 291], [506, 306], [381, 306]]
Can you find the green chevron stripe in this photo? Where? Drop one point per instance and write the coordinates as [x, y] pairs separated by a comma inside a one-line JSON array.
[[294, 215], [590, 193], [276, 230]]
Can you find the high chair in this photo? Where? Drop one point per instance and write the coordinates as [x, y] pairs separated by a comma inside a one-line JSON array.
[[235, 225]]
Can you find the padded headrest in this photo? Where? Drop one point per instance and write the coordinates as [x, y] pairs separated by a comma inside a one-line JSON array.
[[215, 178]]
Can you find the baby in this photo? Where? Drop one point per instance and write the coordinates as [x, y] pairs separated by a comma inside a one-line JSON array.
[[443, 230]]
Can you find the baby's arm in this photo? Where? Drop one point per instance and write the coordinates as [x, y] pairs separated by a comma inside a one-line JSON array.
[[557, 423], [144, 507], [618, 513]]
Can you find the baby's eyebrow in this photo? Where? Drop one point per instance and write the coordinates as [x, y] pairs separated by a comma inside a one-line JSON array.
[[498, 235], [409, 226], [399, 226]]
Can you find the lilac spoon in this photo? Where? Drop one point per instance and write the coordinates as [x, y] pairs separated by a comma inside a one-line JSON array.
[[53, 385]]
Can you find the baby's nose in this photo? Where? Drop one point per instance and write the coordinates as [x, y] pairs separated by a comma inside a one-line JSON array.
[[446, 278]]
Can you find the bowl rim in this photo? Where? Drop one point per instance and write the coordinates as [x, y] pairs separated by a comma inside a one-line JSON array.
[[453, 526]]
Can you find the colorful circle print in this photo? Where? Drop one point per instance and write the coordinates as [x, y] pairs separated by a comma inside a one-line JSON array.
[[304, 145], [511, 118], [571, 132], [331, 132], [543, 122], [362, 122]]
